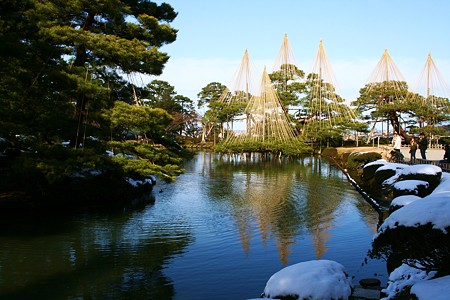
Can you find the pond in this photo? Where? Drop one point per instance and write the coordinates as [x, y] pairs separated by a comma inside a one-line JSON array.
[[219, 232]]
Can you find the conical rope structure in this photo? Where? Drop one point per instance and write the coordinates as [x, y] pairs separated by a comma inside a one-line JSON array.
[[285, 62], [386, 71], [270, 129], [432, 90], [241, 89], [325, 108], [388, 83], [268, 119]]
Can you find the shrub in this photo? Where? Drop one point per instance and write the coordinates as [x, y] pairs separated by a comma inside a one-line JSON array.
[[421, 247], [356, 159]]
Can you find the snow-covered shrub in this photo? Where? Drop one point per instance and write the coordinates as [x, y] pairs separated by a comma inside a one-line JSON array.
[[370, 169], [417, 234], [411, 187]]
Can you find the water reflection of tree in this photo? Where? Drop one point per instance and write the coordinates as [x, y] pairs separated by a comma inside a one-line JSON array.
[[284, 197], [103, 257], [323, 191]]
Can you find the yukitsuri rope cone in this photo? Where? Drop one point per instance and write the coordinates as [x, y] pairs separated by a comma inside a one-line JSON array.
[[268, 128], [432, 92], [386, 86], [325, 109]]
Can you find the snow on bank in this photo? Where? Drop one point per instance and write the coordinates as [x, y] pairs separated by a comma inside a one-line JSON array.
[[403, 277], [316, 279], [434, 289], [324, 279], [434, 208], [416, 211], [150, 180], [431, 209], [402, 169], [422, 169]]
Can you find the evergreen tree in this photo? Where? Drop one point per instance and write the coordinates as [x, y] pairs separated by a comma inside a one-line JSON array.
[[386, 100], [288, 83], [65, 59]]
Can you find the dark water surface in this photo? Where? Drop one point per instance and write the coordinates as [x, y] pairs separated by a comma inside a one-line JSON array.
[[219, 232]]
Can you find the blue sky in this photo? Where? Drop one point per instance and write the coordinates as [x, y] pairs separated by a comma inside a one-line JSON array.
[[213, 36]]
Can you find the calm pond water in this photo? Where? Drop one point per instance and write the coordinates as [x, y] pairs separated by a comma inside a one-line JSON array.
[[219, 232]]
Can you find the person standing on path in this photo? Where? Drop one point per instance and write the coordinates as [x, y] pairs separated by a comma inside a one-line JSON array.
[[397, 142], [413, 149], [423, 145], [446, 153]]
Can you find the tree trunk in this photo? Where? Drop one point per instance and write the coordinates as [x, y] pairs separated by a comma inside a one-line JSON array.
[[395, 122], [80, 107]]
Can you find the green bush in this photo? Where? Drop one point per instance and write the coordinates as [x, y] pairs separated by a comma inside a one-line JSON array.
[[293, 147], [359, 159]]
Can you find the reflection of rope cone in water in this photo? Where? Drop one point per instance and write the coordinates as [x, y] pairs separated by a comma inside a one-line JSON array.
[[321, 203], [265, 189], [269, 200], [286, 201], [320, 237]]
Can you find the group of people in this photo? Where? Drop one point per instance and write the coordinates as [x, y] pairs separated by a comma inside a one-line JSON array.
[[421, 143]]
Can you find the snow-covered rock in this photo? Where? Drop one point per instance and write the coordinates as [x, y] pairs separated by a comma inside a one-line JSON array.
[[429, 173], [316, 279], [370, 168], [422, 169]]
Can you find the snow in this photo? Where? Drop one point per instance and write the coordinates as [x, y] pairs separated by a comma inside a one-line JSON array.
[[316, 279], [392, 180], [376, 162], [137, 183], [410, 185], [404, 200], [403, 277], [444, 185], [434, 208], [422, 169], [392, 166], [402, 169], [434, 289]]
